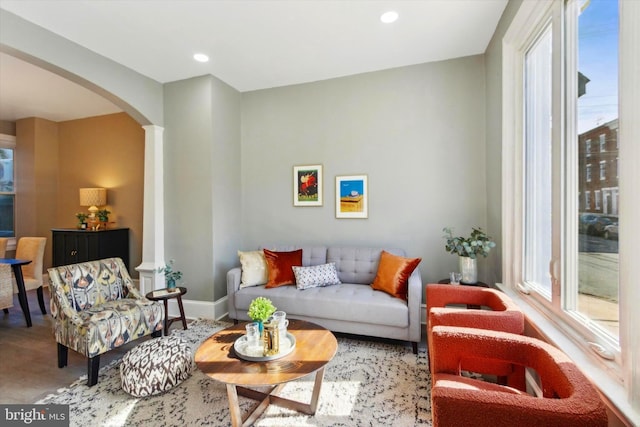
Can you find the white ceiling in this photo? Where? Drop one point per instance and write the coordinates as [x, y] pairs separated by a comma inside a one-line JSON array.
[[253, 44]]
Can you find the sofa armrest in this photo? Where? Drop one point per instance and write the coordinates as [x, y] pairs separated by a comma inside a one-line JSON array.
[[414, 302], [233, 285]]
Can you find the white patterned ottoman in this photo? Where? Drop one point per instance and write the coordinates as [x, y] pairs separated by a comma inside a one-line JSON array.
[[156, 366]]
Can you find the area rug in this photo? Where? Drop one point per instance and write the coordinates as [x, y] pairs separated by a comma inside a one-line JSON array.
[[368, 383]]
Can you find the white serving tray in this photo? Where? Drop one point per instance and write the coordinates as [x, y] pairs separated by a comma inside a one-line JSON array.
[[255, 354]]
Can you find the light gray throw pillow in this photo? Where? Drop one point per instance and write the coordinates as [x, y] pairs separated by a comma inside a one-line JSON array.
[[316, 275]]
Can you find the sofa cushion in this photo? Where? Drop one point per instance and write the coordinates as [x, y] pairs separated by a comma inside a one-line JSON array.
[[279, 267], [254, 268], [311, 255], [357, 265], [316, 275], [393, 273], [344, 302]]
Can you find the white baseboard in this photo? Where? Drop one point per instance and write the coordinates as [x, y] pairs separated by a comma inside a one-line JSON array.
[[194, 309]]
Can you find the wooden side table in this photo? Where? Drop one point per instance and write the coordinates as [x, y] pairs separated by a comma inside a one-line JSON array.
[[165, 295]]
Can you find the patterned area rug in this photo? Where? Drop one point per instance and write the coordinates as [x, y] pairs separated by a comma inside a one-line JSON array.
[[368, 383]]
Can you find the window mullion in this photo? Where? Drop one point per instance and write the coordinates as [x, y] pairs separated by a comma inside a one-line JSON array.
[[569, 226]]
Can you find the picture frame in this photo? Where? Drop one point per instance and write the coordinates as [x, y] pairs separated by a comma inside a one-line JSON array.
[[307, 185], [352, 196]]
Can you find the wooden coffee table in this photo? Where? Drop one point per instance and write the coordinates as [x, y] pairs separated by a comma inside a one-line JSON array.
[[216, 357]]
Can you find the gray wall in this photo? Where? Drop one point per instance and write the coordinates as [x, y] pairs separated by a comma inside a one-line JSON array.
[[418, 132], [493, 155], [137, 95], [202, 182]]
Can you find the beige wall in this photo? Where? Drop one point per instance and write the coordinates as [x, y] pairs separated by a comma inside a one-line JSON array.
[[7, 128], [56, 159], [36, 170]]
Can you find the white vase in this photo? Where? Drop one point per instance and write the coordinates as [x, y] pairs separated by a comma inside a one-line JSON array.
[[469, 270]]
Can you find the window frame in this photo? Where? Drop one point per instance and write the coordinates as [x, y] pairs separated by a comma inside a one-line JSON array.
[[618, 379], [9, 141]]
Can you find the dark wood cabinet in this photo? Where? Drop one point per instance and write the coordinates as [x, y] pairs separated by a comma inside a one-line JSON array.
[[71, 246]]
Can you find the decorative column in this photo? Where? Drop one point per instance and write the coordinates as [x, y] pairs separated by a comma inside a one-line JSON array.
[[153, 215]]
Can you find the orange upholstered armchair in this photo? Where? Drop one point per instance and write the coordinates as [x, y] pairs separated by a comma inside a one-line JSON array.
[[568, 399], [496, 311]]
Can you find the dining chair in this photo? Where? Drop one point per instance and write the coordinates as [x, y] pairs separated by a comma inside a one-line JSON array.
[[32, 248], [3, 246], [6, 288]]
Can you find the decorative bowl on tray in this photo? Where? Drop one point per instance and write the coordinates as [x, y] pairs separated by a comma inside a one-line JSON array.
[[255, 353]]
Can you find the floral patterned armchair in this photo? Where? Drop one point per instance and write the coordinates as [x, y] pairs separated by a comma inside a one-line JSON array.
[[96, 308]]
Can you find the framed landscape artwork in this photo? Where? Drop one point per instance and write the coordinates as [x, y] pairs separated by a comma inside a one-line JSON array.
[[352, 196], [307, 185]]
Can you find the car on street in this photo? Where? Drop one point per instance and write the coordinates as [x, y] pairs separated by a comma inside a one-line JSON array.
[[594, 224], [611, 231]]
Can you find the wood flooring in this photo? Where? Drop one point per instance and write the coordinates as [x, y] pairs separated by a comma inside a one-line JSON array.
[[28, 356]]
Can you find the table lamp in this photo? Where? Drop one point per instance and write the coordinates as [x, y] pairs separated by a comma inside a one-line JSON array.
[[93, 197]]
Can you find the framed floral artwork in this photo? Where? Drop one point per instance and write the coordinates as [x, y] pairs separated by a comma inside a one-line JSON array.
[[307, 185], [352, 196]]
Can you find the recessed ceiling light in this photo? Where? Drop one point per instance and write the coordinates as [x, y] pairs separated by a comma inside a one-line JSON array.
[[389, 17], [201, 57]]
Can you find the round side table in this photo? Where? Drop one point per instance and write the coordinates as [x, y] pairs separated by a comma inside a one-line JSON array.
[[480, 284], [165, 295]]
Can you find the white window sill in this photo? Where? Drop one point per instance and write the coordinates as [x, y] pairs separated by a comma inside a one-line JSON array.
[[599, 371]]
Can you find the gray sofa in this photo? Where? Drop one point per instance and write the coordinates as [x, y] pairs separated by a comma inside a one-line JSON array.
[[352, 307]]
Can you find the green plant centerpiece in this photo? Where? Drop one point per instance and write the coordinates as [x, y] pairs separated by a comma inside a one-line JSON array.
[[468, 249], [82, 219], [103, 215], [478, 243], [260, 310], [171, 276]]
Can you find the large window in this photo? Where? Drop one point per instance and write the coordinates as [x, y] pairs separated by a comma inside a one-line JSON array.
[[568, 218], [538, 179], [590, 110], [594, 44], [7, 187], [555, 124]]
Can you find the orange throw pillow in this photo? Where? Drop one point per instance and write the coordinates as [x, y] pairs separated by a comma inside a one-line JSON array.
[[393, 274], [279, 266]]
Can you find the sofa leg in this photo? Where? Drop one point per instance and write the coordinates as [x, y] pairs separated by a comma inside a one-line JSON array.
[[93, 366], [156, 334], [415, 347], [6, 310], [63, 352]]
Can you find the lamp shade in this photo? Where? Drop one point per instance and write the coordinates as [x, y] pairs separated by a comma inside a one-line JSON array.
[[93, 196]]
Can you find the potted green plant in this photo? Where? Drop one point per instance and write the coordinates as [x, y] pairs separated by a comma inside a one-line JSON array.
[[260, 310], [103, 215], [171, 276], [468, 249], [82, 220]]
